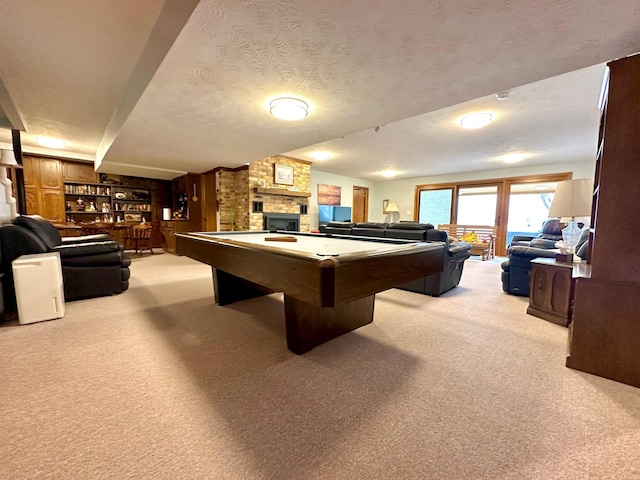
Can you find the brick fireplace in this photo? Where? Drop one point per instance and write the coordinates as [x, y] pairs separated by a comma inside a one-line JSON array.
[[247, 195]]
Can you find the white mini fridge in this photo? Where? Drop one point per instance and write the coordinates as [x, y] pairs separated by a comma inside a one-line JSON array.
[[39, 287]]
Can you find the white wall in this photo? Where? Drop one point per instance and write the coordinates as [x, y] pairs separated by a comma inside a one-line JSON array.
[[402, 191], [346, 184]]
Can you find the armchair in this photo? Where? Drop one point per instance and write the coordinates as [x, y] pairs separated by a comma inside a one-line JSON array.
[[516, 270], [551, 232], [454, 258], [92, 266]]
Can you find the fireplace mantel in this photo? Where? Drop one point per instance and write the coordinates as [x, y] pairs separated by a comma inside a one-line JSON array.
[[280, 191]]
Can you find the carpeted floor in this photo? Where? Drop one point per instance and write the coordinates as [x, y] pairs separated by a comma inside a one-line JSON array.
[[161, 383]]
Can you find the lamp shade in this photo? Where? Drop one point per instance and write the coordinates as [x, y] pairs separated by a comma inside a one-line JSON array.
[[8, 159], [572, 198], [392, 207]]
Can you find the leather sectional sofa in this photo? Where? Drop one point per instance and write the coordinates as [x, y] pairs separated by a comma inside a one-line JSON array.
[[433, 285], [92, 265]]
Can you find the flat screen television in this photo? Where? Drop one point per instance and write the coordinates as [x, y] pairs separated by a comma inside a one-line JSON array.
[[330, 213], [341, 214]]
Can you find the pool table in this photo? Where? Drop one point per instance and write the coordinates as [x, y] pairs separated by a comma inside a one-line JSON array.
[[329, 282]]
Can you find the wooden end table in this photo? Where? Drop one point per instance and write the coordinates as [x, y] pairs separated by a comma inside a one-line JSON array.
[[551, 289]]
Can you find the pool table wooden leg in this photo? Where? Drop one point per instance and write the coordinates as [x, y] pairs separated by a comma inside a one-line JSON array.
[[309, 326], [228, 288]]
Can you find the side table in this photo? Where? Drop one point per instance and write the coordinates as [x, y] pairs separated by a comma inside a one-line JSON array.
[[552, 287]]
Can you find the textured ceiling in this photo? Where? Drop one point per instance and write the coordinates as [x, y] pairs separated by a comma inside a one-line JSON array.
[[145, 95]]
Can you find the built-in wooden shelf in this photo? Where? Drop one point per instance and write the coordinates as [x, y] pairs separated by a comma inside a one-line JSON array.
[[280, 191]]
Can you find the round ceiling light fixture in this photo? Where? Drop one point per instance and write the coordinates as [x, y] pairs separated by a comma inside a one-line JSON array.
[[289, 108], [476, 120]]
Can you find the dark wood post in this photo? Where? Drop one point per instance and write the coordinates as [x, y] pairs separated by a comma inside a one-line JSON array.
[[21, 199]]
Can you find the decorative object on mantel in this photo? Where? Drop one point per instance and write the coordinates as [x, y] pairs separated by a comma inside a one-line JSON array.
[[572, 199], [329, 194], [282, 174]]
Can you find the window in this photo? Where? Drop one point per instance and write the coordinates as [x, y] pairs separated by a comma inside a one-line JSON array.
[[435, 206]]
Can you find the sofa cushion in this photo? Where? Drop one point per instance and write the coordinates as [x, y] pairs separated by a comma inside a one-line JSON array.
[[552, 228], [341, 224], [543, 243], [405, 225], [371, 225]]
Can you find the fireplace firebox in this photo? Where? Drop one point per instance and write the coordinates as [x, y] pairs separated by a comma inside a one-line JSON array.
[[281, 221]]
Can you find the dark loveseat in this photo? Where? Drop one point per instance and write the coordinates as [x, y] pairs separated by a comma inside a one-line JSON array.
[[434, 285], [92, 266]]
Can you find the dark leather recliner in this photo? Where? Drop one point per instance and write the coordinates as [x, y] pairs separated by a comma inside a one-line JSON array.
[[551, 232], [517, 269], [454, 258], [454, 255], [92, 266]]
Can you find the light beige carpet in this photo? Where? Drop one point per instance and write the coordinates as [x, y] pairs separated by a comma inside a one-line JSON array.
[[161, 383]]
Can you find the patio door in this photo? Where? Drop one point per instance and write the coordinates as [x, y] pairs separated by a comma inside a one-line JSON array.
[[478, 205], [513, 205]]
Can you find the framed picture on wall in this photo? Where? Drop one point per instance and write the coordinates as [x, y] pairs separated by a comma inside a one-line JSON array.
[[385, 204], [329, 194], [283, 174]]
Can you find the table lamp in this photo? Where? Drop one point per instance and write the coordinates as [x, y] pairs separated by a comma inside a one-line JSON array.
[[392, 209], [572, 199]]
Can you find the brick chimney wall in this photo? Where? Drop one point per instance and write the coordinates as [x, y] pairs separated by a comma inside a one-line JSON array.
[[236, 193]]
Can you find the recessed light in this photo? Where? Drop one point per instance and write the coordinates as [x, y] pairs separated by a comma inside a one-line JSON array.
[[321, 156], [476, 120], [51, 142], [288, 108], [513, 157]]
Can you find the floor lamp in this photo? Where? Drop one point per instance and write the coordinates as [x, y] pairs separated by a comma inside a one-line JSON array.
[[8, 209], [572, 199]]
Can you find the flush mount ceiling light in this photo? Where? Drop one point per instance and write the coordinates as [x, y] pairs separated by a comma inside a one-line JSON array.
[[513, 157], [288, 108], [50, 142], [321, 156], [389, 173], [476, 120]]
